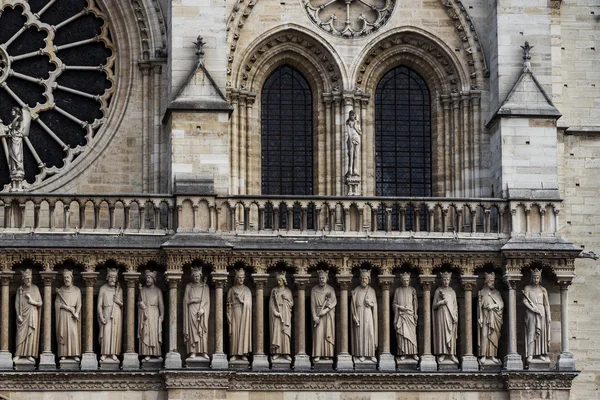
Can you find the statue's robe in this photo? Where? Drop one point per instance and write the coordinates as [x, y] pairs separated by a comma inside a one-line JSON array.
[[195, 326], [110, 334], [537, 326], [445, 322], [239, 316], [490, 321], [281, 302], [68, 329], [150, 321], [28, 331], [324, 332], [405, 322], [364, 335]]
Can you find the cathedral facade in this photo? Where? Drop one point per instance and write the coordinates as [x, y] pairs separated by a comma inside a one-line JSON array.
[[299, 199]]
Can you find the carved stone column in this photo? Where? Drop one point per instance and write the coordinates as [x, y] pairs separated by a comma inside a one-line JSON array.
[[386, 359], [344, 359], [173, 358], [130, 358], [513, 360], [428, 362], [47, 360], [565, 361], [88, 359], [219, 359], [469, 361], [5, 355], [260, 362], [301, 360]]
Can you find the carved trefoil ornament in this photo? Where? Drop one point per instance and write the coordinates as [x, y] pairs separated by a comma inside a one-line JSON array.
[[349, 18]]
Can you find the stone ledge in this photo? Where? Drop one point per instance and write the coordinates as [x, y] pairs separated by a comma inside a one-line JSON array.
[[268, 381]]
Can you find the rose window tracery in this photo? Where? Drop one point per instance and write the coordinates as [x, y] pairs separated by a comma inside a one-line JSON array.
[[57, 61], [349, 18]]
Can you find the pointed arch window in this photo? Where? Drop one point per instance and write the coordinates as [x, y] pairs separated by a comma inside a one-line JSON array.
[[403, 137]]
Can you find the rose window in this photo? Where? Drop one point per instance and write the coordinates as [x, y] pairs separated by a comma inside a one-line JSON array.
[[56, 61], [349, 18]]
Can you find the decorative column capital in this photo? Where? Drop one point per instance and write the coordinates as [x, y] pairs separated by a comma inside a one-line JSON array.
[[301, 281], [511, 280], [131, 278], [427, 281], [6, 277], [468, 282], [344, 281], [89, 277], [220, 279], [48, 277], [173, 278], [564, 281], [386, 281], [260, 280]]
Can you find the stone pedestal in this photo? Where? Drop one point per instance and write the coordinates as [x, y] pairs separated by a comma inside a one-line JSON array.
[[6, 362], [447, 365], [302, 362], [68, 363], [109, 364], [23, 364], [89, 361], [538, 365], [173, 361], [489, 366], [131, 361], [366, 365], [197, 363], [408, 364], [243, 365], [387, 362], [428, 363], [280, 364], [47, 362], [469, 364], [260, 362], [513, 362], [153, 363], [344, 362], [323, 365], [219, 361], [566, 362]]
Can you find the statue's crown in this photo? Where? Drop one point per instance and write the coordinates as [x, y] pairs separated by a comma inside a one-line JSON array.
[[196, 270], [490, 276], [112, 272], [26, 273], [536, 272], [67, 272], [150, 273], [365, 272], [405, 275], [322, 272], [239, 272], [446, 274]]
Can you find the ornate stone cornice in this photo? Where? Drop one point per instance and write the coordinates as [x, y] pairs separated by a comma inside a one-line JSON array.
[[538, 380], [67, 381]]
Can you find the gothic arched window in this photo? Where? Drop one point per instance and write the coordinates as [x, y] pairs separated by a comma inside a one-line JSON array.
[[286, 138], [402, 136]]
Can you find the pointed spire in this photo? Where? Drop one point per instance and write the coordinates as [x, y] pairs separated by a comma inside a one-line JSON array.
[[526, 57]]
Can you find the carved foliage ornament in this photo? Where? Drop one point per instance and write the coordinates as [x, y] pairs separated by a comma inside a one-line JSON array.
[[56, 61], [349, 18]]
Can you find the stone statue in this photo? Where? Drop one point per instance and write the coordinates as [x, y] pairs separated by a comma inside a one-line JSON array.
[[28, 304], [405, 318], [445, 321], [489, 319], [151, 312], [280, 315], [68, 323], [537, 319], [353, 134], [364, 319], [18, 129], [110, 316], [322, 307], [196, 311], [239, 317]]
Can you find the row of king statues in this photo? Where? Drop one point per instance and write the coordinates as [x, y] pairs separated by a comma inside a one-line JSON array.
[[196, 310]]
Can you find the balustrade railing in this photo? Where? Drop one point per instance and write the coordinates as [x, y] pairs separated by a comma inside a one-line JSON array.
[[277, 215]]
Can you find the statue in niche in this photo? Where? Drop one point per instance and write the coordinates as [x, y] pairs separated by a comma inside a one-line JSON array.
[[445, 321], [489, 318], [405, 318], [28, 304], [280, 316], [110, 316], [196, 310], [239, 317], [322, 307], [363, 309], [17, 131], [537, 319], [353, 134], [151, 312], [68, 323]]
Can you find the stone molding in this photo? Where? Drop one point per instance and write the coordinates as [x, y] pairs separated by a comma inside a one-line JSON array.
[[170, 379]]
